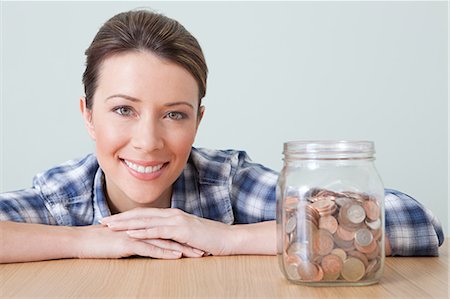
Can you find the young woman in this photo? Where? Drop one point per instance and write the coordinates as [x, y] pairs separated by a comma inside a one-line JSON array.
[[146, 191]]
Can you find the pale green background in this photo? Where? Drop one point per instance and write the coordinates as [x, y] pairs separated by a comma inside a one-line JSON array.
[[278, 72]]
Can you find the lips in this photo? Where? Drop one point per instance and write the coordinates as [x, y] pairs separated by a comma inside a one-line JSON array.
[[146, 171]]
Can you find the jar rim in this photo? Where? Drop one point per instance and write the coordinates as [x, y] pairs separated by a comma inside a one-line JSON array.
[[329, 147]]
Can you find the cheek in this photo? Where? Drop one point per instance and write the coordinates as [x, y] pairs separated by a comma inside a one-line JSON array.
[[181, 141], [109, 138]]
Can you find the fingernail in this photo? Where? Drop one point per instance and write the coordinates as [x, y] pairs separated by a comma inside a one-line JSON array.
[[111, 224], [197, 251]]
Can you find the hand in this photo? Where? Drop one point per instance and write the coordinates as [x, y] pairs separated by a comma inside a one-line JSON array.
[[101, 242], [173, 224]]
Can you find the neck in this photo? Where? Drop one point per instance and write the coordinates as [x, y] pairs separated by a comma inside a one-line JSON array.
[[119, 202]]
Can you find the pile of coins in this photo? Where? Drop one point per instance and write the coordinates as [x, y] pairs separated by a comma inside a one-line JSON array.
[[332, 236]]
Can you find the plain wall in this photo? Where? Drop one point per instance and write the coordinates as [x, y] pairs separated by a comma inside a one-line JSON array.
[[279, 71]]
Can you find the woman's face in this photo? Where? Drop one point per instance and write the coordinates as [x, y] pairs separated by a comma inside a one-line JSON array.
[[144, 120]]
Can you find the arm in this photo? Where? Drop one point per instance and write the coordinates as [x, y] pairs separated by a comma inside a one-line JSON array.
[[207, 235], [25, 242], [412, 229]]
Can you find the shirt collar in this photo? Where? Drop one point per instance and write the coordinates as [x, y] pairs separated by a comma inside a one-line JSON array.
[[101, 208]]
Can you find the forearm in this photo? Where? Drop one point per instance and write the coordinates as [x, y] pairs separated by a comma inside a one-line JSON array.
[[256, 238], [25, 242]]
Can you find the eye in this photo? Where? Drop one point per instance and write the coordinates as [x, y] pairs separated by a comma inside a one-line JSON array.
[[124, 110], [176, 115]]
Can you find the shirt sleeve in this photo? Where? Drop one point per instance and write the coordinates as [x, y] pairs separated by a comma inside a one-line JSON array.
[[24, 206], [253, 192], [411, 228]]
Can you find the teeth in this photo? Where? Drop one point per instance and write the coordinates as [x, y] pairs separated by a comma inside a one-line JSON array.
[[142, 169]]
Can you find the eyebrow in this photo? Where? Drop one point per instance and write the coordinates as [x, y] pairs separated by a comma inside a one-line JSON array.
[[133, 99]]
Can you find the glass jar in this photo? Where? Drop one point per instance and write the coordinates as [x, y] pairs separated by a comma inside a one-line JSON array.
[[330, 214]]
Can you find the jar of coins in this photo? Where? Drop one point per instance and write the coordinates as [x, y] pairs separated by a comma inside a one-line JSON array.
[[330, 214]]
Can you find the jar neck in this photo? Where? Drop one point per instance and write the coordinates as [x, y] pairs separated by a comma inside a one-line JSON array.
[[328, 150]]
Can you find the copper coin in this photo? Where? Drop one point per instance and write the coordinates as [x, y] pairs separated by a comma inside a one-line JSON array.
[[329, 223], [377, 234], [319, 275], [345, 245], [367, 249], [372, 209], [307, 271], [323, 242], [373, 267], [324, 207], [345, 234], [353, 269], [331, 265], [376, 253]]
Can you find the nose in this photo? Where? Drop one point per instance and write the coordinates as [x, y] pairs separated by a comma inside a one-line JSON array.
[[147, 135]]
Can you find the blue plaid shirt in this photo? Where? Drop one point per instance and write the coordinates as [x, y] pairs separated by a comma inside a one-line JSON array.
[[220, 185]]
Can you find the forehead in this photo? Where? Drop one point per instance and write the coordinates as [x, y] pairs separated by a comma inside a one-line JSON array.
[[142, 74]]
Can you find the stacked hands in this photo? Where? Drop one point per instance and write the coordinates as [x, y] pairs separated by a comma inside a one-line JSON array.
[[159, 233]]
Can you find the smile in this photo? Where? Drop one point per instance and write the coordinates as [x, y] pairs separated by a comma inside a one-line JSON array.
[[143, 169]]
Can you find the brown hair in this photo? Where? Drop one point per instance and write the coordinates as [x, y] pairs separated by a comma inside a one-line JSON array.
[[144, 30]]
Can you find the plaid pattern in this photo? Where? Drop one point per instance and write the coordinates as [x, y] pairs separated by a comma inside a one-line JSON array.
[[220, 185]]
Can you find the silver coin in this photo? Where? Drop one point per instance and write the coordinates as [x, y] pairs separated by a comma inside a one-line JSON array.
[[356, 214], [363, 237], [374, 224], [291, 224]]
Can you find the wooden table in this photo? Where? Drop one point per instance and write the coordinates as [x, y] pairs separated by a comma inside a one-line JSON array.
[[218, 277]]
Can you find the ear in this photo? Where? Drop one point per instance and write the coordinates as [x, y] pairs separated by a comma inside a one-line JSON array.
[[87, 117], [201, 111]]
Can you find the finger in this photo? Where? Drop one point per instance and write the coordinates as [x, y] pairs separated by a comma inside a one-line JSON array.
[[175, 233], [187, 251], [130, 224], [149, 250], [140, 223], [140, 213]]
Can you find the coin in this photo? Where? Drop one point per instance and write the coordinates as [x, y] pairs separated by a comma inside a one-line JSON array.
[[345, 234], [353, 269], [372, 209], [328, 223], [342, 201], [345, 245], [376, 224], [375, 253], [356, 214], [327, 230], [323, 242], [363, 237], [367, 249], [307, 271], [291, 224], [291, 203], [373, 267], [359, 255], [300, 250], [292, 271], [340, 253], [331, 265]]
